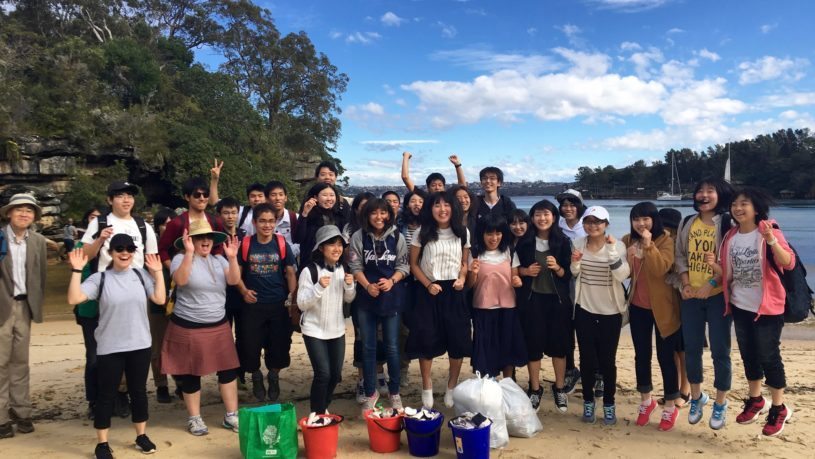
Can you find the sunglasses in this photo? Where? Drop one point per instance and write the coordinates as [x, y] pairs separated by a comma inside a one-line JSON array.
[[121, 248], [200, 194]]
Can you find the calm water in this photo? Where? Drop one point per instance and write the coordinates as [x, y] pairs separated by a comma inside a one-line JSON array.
[[794, 218]]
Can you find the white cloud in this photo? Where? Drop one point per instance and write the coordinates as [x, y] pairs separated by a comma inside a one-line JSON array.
[[630, 46], [789, 99], [709, 55], [674, 73], [447, 30], [365, 110], [603, 119], [700, 103], [572, 33], [395, 145], [767, 28], [771, 68], [644, 60], [675, 30], [532, 31], [364, 38], [388, 89], [486, 60], [391, 19], [585, 64], [628, 6], [335, 35]]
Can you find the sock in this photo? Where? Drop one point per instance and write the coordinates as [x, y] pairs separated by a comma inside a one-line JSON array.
[[231, 413], [670, 410], [647, 402]]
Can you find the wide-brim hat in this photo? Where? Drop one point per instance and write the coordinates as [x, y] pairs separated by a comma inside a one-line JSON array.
[[570, 194], [201, 228], [326, 233], [22, 199]]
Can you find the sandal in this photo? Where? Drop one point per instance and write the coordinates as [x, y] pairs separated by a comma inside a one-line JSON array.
[[685, 399]]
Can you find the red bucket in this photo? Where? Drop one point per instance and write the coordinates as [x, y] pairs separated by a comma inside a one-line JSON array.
[[321, 441], [384, 434]]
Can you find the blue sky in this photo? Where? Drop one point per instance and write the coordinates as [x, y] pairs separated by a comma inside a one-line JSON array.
[[540, 88]]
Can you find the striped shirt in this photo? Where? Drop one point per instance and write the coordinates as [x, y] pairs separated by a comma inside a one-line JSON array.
[[598, 291], [441, 259]]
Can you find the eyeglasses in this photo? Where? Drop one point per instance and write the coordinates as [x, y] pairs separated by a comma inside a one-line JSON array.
[[200, 194], [121, 248]]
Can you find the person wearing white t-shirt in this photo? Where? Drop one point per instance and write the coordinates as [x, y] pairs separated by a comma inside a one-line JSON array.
[[96, 241]]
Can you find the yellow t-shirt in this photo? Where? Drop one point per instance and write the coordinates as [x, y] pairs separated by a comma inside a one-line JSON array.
[[701, 240]]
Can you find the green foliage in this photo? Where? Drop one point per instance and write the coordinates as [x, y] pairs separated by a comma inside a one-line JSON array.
[[90, 190]]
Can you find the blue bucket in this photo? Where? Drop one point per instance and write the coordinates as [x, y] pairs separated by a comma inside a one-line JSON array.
[[424, 436], [471, 443]]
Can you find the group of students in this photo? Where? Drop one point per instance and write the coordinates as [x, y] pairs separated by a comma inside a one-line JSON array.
[[439, 271]]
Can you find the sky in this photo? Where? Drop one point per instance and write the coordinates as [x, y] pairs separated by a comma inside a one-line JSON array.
[[540, 88]]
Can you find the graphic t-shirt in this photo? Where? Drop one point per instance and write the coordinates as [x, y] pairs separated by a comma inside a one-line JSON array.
[[745, 266], [264, 273], [126, 226], [701, 240]]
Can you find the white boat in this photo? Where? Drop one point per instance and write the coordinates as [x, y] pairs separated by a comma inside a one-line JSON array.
[[727, 166], [671, 196]]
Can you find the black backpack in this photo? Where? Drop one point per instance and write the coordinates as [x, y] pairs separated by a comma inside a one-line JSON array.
[[799, 302], [102, 223], [102, 282]]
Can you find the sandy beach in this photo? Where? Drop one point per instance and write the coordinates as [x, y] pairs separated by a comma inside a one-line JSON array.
[[57, 363]]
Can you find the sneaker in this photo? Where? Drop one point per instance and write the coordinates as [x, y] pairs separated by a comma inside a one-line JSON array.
[[231, 421], [571, 380], [196, 426], [448, 398], [696, 412], [752, 410], [599, 387], [360, 392], [396, 402], [163, 395], [103, 451], [718, 418], [644, 415], [382, 385], [25, 426], [561, 399], [668, 419], [535, 397], [427, 398], [121, 405], [370, 402], [274, 386], [779, 415], [258, 389], [144, 444], [6, 430], [91, 410], [609, 415], [588, 412], [404, 377]]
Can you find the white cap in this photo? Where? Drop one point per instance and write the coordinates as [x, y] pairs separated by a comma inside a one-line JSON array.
[[597, 212]]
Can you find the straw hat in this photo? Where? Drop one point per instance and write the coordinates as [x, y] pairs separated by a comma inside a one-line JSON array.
[[200, 228], [22, 199]]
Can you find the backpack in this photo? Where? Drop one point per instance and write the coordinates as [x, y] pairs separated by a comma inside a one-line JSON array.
[[799, 302], [281, 246], [3, 246], [102, 282], [244, 213], [102, 223], [726, 223]]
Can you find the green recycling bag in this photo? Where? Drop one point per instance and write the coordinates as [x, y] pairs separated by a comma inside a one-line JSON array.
[[268, 431]]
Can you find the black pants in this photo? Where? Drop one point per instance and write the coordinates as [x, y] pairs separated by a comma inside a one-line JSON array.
[[642, 328], [326, 357], [89, 325], [264, 325], [191, 384], [759, 346], [135, 365], [598, 336]]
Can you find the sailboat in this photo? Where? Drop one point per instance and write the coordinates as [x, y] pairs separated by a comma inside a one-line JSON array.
[[727, 166], [670, 196]]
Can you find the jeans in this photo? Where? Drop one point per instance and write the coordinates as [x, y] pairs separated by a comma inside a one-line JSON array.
[[135, 365], [642, 328], [695, 313], [89, 325], [598, 336], [759, 345], [368, 323], [326, 357]]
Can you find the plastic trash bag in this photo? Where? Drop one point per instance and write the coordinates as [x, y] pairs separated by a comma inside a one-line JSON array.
[[522, 420], [483, 395]]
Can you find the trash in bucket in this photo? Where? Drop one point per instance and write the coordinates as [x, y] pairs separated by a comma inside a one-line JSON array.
[[321, 440], [384, 433], [423, 432], [471, 436]]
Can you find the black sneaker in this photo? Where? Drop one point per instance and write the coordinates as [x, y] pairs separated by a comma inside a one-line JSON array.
[[25, 426], [6, 430], [258, 389], [144, 444], [121, 405], [598, 386], [535, 397], [163, 395], [570, 382], [103, 451], [561, 399], [274, 386]]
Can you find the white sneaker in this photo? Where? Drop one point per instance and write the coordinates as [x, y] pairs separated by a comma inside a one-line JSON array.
[[427, 398], [231, 421], [382, 385], [370, 402], [448, 398], [396, 403]]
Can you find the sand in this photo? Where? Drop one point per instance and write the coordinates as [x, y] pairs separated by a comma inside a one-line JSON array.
[[57, 362]]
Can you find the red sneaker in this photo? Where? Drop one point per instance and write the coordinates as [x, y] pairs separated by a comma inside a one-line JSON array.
[[779, 415], [668, 419], [752, 410], [645, 413]]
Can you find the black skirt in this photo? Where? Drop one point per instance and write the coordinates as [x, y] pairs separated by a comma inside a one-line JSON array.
[[498, 340], [440, 324]]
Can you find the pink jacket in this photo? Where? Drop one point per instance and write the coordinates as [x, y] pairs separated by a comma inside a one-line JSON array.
[[774, 296]]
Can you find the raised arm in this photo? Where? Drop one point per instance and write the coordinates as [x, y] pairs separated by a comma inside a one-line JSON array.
[[215, 177], [406, 171], [153, 264], [459, 170], [78, 259]]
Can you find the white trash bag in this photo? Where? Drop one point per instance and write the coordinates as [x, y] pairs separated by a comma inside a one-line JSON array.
[[522, 420], [483, 395]]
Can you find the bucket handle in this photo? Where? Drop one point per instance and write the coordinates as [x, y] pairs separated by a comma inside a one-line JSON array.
[[388, 429], [427, 434], [337, 417]]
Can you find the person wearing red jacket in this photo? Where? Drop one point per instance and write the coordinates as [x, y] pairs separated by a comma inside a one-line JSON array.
[[754, 294]]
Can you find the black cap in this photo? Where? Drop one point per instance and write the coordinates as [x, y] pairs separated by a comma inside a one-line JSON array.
[[119, 187], [670, 217], [121, 240]]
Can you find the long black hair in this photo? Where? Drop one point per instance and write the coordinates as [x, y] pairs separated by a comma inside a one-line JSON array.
[[430, 227], [492, 222], [724, 194], [370, 206], [318, 212], [407, 216], [356, 213], [646, 209], [520, 215], [556, 236]]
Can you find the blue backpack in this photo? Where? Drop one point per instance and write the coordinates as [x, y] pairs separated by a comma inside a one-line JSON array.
[[3, 246], [799, 303]]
